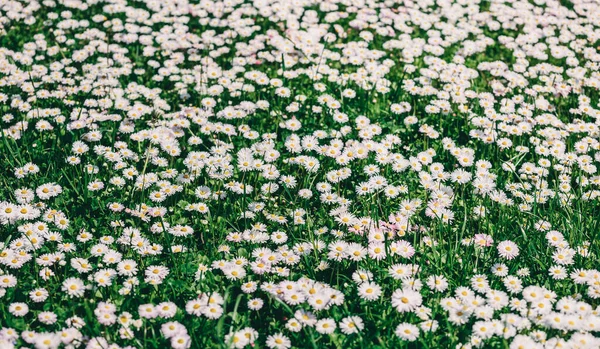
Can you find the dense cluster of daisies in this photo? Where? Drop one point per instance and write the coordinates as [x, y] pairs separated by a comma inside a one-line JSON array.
[[299, 174]]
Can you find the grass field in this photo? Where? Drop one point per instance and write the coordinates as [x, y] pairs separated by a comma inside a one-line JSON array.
[[299, 174]]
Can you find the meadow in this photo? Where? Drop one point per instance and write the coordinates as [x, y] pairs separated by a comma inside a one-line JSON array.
[[299, 174]]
